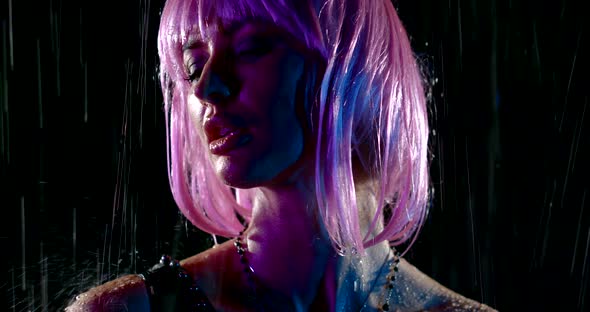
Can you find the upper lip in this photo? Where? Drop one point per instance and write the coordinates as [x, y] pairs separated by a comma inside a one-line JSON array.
[[218, 126]]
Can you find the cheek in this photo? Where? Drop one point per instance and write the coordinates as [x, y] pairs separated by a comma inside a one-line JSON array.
[[195, 108], [287, 128], [196, 112]]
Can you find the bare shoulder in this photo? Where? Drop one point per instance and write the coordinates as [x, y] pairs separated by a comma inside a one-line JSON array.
[[416, 289], [127, 293], [201, 265], [218, 273]]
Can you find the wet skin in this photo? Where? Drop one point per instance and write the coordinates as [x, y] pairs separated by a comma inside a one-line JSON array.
[[247, 76]]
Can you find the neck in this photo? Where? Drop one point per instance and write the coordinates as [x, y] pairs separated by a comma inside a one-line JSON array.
[[289, 249], [291, 252]]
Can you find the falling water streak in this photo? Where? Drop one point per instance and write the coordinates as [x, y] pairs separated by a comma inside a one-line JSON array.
[[441, 172], [444, 83], [13, 290], [10, 35], [134, 245], [547, 222], [74, 237], [455, 170], [131, 202], [128, 208], [585, 278], [23, 245], [115, 205], [85, 92], [155, 96], [56, 44], [98, 265], [185, 222], [493, 146], [4, 121], [51, 26], [470, 205], [121, 200], [123, 208], [129, 229], [120, 183], [579, 134], [541, 218], [32, 299], [460, 36], [44, 290], [537, 53], [110, 235], [142, 83], [39, 85], [578, 234], [123, 205], [116, 197], [104, 252], [80, 39], [572, 155], [569, 83]]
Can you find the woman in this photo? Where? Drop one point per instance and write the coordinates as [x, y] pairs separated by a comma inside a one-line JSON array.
[[299, 129]]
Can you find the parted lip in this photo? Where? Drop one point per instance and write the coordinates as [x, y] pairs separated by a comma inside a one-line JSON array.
[[217, 127]]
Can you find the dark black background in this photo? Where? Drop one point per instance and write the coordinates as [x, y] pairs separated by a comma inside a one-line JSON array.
[[84, 192]]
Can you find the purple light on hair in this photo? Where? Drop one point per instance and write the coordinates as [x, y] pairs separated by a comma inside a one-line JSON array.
[[371, 106]]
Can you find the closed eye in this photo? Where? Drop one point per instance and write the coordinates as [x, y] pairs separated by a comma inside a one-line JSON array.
[[193, 73], [253, 48], [195, 57]]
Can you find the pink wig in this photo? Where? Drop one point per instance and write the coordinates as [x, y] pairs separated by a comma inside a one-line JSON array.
[[371, 99]]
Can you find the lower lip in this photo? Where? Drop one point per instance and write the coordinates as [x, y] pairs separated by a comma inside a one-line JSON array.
[[226, 144]]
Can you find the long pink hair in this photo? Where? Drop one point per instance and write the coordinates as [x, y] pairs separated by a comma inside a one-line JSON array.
[[371, 99]]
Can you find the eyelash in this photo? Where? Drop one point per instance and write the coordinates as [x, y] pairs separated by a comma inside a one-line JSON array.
[[251, 53], [195, 75]]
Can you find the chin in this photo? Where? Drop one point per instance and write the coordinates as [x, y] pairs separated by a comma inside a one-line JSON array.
[[245, 177], [244, 170], [235, 173]]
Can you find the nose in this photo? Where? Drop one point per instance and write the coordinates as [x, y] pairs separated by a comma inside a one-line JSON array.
[[213, 87]]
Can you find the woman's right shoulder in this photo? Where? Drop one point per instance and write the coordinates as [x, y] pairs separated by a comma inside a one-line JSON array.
[[212, 267], [127, 293]]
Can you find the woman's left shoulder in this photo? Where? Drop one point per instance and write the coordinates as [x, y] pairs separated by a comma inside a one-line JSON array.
[[423, 291], [126, 293]]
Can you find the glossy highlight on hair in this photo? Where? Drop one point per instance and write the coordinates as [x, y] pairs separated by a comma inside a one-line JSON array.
[[371, 107]]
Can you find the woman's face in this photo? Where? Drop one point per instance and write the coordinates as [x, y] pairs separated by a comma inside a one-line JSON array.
[[245, 86]]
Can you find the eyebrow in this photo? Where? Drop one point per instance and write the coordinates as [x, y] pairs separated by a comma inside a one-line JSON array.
[[234, 25]]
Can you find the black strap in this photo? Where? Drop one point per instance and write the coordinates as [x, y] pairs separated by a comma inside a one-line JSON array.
[[171, 289]]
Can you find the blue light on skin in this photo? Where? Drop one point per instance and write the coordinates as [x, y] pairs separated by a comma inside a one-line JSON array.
[[263, 72]]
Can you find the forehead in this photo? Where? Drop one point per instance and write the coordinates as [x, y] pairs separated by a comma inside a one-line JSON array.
[[185, 21], [228, 28]]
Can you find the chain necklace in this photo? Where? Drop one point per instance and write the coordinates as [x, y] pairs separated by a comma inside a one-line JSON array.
[[241, 248]]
